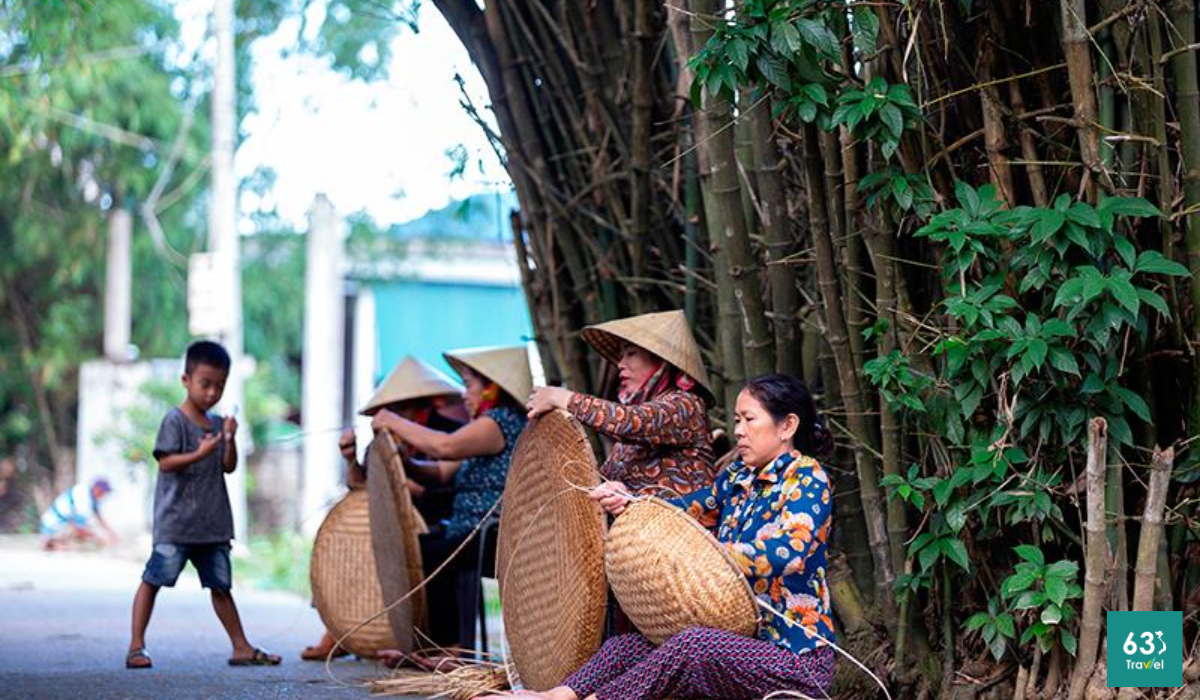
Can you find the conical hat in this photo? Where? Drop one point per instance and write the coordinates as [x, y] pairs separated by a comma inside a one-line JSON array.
[[666, 334], [411, 379], [508, 367]]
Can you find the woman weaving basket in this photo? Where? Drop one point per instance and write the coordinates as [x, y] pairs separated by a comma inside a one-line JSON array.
[[771, 510], [659, 425], [420, 393], [476, 458]]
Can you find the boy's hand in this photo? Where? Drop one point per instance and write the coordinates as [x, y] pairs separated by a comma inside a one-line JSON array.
[[231, 426], [208, 444]]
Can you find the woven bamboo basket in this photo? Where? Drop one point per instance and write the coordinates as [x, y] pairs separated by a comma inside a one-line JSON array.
[[344, 584], [550, 553], [669, 574], [395, 529]]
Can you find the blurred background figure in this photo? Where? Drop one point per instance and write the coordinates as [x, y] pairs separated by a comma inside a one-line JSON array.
[[74, 518]]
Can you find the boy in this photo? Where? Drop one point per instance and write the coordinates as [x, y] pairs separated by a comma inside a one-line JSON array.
[[192, 519]]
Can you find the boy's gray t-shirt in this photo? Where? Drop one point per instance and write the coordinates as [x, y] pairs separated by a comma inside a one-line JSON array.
[[191, 506]]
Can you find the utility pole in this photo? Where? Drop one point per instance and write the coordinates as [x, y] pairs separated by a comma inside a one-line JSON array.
[[224, 243], [322, 380]]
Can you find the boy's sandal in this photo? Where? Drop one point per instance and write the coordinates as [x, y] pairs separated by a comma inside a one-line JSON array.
[[258, 658], [138, 658]]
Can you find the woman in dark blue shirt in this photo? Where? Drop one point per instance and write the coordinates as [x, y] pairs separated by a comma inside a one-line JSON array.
[[476, 458]]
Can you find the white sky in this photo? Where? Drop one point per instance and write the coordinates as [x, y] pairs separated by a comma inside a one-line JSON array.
[[378, 147]]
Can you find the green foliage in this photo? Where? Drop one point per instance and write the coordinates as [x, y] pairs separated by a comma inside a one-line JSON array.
[[135, 440], [1043, 303], [278, 561], [1046, 591], [901, 192]]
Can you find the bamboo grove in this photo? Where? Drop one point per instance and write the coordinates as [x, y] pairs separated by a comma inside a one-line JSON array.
[[971, 226]]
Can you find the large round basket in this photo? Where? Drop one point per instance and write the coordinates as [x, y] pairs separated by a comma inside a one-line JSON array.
[[550, 556], [344, 585], [669, 574], [395, 530]]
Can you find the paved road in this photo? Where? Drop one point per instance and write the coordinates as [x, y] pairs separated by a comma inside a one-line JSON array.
[[64, 628]]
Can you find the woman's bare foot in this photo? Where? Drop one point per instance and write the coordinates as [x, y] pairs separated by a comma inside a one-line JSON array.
[[562, 692], [320, 650]]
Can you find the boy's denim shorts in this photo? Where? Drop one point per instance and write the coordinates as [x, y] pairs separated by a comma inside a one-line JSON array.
[[211, 562]]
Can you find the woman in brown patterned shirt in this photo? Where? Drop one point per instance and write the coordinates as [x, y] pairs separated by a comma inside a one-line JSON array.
[[662, 440]]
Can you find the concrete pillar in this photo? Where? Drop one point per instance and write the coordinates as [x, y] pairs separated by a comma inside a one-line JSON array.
[[225, 244], [118, 284], [321, 381]]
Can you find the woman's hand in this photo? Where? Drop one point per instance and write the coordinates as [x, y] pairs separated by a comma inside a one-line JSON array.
[[348, 447], [545, 399], [385, 419], [612, 497]]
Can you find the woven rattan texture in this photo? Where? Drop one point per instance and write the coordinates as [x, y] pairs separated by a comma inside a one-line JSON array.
[[669, 574], [388, 527], [344, 584], [550, 559]]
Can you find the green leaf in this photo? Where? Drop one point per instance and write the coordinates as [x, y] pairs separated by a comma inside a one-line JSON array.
[[1068, 641], [967, 197], [1092, 384], [956, 517], [1135, 403], [941, 492], [739, 53], [1037, 351], [819, 37], [1126, 251], [1016, 583], [1084, 215], [977, 620], [785, 38], [1030, 554], [928, 557], [903, 193], [1062, 360], [1063, 569], [1004, 623], [956, 551], [1048, 224], [866, 28], [1051, 615], [1125, 293], [1154, 300], [1153, 262], [997, 645], [1056, 590], [1128, 206], [890, 115], [816, 92], [774, 71], [1029, 599]]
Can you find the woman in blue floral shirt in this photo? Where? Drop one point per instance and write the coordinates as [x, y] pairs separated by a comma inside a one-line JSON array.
[[771, 509], [476, 458]]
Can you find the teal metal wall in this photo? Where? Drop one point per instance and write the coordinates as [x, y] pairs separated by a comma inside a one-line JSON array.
[[426, 318]]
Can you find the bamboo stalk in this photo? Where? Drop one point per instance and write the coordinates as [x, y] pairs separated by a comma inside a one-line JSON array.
[[772, 207], [995, 138], [848, 378], [729, 328], [1096, 559], [1077, 48], [1146, 570], [644, 37], [1187, 106]]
